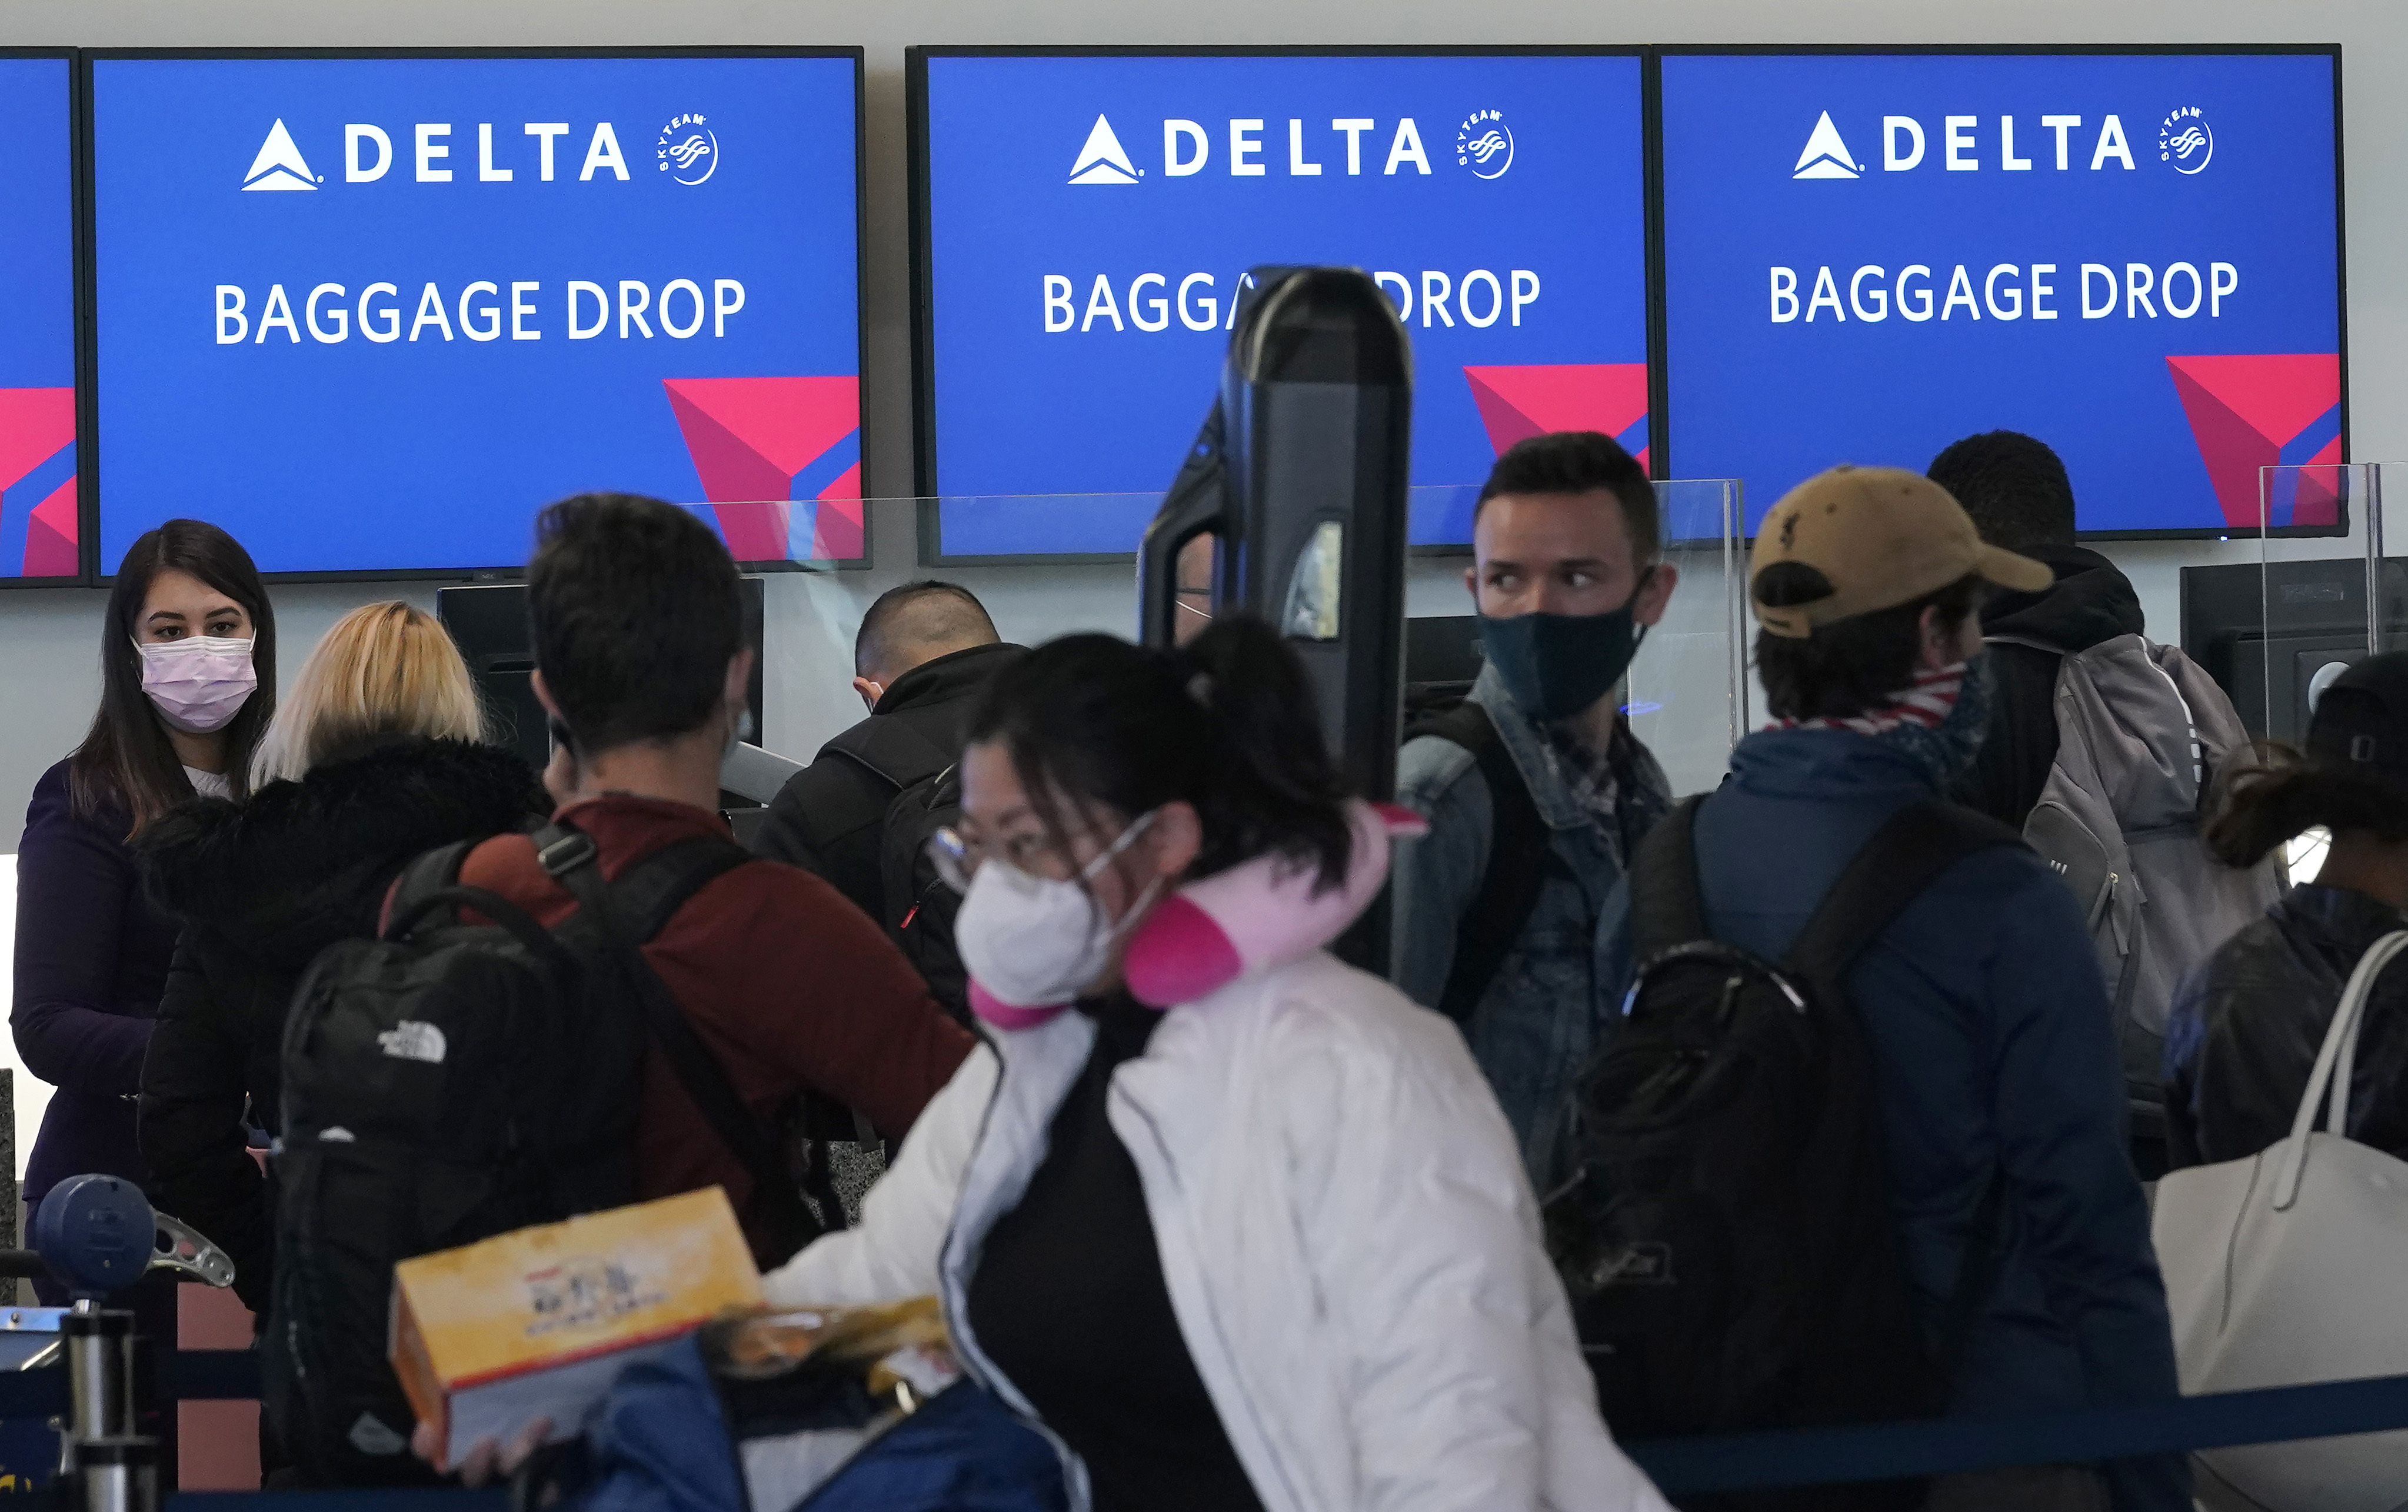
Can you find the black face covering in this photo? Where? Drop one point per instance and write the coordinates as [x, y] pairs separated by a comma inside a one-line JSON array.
[[1553, 666]]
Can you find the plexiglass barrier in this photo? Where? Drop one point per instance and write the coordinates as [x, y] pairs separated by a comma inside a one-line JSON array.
[[1069, 569], [2322, 593], [1687, 692]]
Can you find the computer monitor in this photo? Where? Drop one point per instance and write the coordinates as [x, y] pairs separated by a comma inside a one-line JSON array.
[[1441, 658], [2131, 253], [488, 622], [370, 311], [41, 524], [2272, 637], [1077, 270]]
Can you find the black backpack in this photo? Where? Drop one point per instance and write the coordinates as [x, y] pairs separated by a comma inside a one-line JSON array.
[[918, 909], [1520, 859], [447, 1082], [1724, 1230]]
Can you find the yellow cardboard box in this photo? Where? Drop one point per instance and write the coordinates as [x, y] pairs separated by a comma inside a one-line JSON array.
[[488, 1337]]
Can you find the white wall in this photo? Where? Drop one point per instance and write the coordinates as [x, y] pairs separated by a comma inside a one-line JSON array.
[[49, 678]]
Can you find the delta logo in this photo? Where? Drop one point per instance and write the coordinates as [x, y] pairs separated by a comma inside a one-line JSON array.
[[1103, 159], [1970, 143], [1826, 155], [1484, 145], [687, 152], [279, 164]]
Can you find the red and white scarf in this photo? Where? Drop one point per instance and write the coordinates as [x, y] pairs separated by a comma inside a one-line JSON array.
[[1925, 703]]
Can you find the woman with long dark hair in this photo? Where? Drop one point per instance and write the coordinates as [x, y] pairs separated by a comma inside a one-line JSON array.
[[2245, 1028], [188, 684]]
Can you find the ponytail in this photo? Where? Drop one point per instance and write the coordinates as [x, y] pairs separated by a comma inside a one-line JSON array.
[[1270, 782], [1225, 723], [2282, 794]]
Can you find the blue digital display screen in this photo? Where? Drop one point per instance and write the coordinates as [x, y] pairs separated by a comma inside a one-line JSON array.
[[2132, 257], [1089, 218], [370, 314], [38, 520]]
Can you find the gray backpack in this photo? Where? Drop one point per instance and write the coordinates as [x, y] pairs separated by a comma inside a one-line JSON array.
[[2142, 732]]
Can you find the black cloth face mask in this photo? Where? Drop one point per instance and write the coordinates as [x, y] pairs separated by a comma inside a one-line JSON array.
[[1553, 666]]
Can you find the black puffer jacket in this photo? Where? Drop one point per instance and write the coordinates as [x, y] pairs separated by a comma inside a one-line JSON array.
[[262, 888], [2246, 1026], [830, 817]]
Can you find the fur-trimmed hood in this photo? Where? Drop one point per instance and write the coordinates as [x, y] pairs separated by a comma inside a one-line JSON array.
[[295, 868]]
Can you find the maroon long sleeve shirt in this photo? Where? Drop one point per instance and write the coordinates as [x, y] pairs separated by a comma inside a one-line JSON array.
[[793, 988]]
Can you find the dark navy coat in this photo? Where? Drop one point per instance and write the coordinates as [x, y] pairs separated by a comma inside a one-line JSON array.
[[1996, 1050]]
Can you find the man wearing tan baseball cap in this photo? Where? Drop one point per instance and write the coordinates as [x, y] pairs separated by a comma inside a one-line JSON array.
[[1994, 1058], [1880, 537]]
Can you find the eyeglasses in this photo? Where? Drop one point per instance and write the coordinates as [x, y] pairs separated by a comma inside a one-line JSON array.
[[957, 857]]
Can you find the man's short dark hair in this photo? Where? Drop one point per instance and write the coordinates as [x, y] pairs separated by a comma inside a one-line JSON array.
[[2014, 487], [908, 625], [636, 611], [1577, 462], [1851, 665]]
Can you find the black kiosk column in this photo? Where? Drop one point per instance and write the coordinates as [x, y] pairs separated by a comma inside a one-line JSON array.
[[1298, 476]]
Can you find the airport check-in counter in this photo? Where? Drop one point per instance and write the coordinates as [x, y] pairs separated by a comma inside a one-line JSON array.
[[2276, 613], [1687, 693], [2272, 615]]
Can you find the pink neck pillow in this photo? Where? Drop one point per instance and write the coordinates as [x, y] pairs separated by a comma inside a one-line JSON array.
[[1259, 914]]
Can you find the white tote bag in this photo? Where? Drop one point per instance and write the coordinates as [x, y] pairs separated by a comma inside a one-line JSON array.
[[2292, 1267]]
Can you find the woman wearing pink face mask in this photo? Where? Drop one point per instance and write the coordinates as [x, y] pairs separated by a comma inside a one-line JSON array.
[[188, 662]]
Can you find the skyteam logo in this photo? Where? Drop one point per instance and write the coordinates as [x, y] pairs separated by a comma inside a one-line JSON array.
[[1484, 144], [2186, 140], [687, 148], [1826, 155], [279, 164], [1103, 161]]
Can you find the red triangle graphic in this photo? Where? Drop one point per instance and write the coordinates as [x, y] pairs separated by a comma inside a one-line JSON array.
[[783, 423], [836, 519], [2275, 394], [33, 424], [1519, 402], [731, 471], [2243, 410], [50, 536], [749, 437], [2232, 450], [749, 491]]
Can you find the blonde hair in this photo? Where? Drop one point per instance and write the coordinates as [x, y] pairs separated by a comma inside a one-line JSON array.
[[382, 670]]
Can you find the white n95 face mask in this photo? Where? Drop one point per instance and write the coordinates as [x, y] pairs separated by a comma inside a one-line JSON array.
[[1036, 942]]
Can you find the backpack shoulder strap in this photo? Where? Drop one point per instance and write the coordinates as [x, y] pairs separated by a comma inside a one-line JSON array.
[[1906, 855], [414, 889], [1916, 845], [659, 884], [890, 749], [1665, 907], [1517, 861], [647, 895]]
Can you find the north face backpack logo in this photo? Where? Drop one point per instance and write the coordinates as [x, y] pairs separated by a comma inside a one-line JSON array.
[[411, 1040]]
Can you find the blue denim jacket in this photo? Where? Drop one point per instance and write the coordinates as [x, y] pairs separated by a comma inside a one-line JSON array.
[[1535, 1025]]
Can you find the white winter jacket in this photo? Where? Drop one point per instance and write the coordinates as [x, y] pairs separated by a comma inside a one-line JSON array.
[[1350, 1244]]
